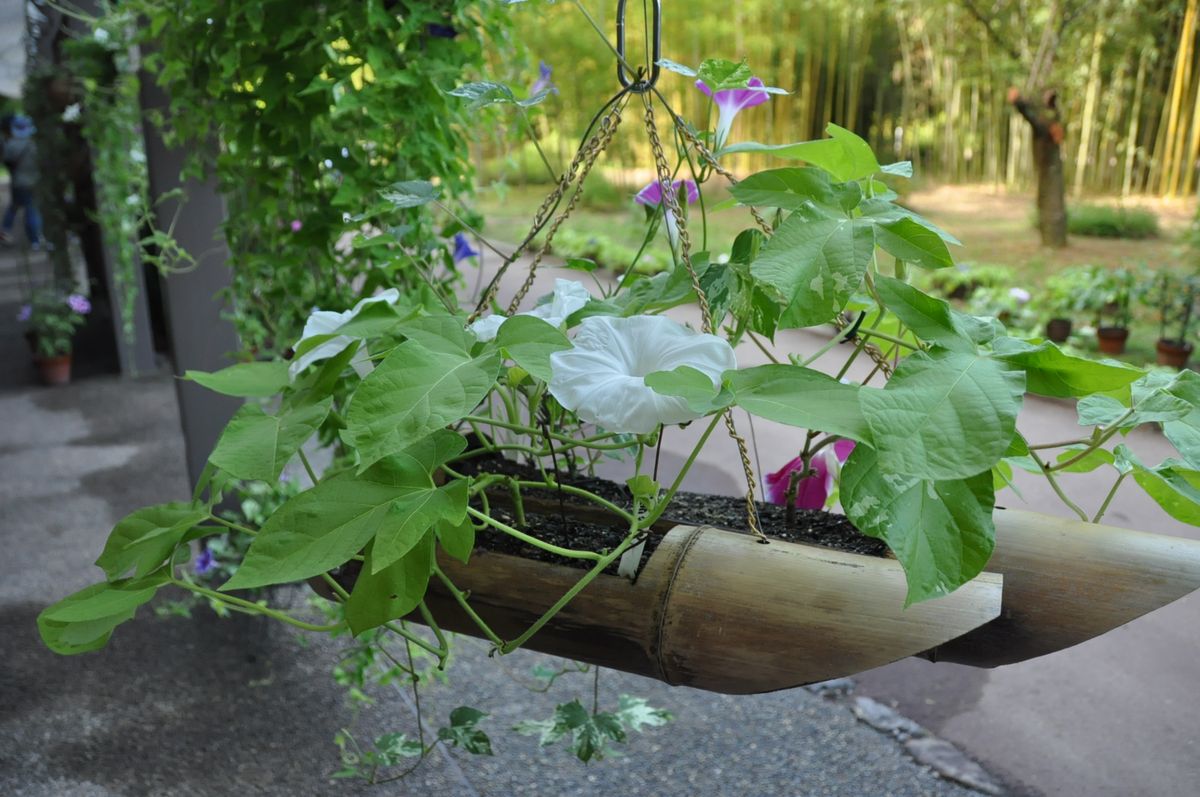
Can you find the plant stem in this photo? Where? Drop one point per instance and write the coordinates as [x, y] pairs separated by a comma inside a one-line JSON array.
[[1062, 444], [1108, 498], [537, 144], [478, 235], [840, 337], [530, 540], [562, 438], [569, 595], [1112, 429], [416, 640], [874, 333], [254, 607], [461, 599], [762, 347], [514, 487], [427, 618], [1058, 490], [312, 474], [665, 501], [335, 586], [577, 491], [230, 524]]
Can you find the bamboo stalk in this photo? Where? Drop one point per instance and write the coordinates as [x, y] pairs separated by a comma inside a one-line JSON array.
[[1089, 106], [1178, 79]]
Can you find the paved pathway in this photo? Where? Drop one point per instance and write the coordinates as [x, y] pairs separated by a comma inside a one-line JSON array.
[[1114, 716], [239, 707], [147, 716]]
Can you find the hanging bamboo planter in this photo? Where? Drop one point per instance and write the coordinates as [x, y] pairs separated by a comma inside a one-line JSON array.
[[719, 611], [716, 610], [1066, 582]]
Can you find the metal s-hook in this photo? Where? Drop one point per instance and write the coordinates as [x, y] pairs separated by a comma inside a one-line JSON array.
[[639, 84]]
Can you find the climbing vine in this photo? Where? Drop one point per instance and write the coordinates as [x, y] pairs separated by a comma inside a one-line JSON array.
[[304, 112], [104, 66]]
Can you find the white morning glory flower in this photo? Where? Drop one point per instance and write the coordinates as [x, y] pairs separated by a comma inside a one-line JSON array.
[[326, 322], [602, 379], [554, 309], [71, 112]]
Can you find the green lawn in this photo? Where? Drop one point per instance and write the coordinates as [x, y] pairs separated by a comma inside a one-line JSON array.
[[995, 229]]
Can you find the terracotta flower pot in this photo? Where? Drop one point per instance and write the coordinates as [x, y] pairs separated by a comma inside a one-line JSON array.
[[1112, 339], [55, 371], [1174, 353], [1058, 329]]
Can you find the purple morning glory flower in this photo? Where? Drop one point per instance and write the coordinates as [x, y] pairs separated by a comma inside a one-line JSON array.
[[297, 225], [462, 248], [204, 562], [652, 196], [813, 490], [440, 31], [79, 304], [543, 82], [25, 313], [730, 101]]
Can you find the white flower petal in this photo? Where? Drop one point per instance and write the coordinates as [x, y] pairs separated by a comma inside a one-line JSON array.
[[568, 297], [326, 322], [361, 362], [486, 328], [602, 379], [323, 351]]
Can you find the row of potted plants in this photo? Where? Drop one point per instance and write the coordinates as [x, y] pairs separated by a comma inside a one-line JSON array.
[[1109, 297], [1104, 299]]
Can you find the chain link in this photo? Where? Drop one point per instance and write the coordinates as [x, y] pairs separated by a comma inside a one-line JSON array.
[[584, 158], [707, 155], [590, 152], [671, 202]]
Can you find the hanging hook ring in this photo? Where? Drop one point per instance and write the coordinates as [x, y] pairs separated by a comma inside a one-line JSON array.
[[639, 84]]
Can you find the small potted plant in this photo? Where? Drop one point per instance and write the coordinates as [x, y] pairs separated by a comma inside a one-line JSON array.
[[1063, 296], [1009, 305], [1175, 297], [52, 318], [1110, 297]]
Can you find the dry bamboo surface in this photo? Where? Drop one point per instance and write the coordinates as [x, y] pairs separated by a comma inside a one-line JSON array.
[[719, 611], [1066, 581]]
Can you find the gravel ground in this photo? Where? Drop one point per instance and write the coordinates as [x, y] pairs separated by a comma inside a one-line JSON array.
[[240, 706]]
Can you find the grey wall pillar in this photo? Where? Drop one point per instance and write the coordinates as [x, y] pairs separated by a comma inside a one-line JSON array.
[[200, 338], [136, 355]]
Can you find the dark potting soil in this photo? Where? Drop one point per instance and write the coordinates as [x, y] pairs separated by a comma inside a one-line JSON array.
[[569, 522]]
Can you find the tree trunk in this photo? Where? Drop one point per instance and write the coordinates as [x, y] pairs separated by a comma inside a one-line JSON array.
[[1051, 204], [1043, 118]]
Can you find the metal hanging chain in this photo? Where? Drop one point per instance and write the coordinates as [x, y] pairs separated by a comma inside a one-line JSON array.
[[585, 159], [609, 116], [707, 155], [671, 205], [873, 352]]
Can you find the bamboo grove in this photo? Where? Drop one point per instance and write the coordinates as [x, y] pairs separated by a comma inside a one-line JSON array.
[[926, 80]]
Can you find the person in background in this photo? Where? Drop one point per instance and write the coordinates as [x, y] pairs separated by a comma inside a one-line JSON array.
[[20, 156]]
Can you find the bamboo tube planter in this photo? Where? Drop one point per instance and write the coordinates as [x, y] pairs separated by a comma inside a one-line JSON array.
[[716, 610], [1066, 581], [719, 611]]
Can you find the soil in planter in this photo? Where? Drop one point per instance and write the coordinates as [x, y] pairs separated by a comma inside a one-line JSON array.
[[570, 522]]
